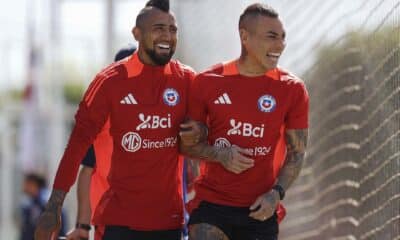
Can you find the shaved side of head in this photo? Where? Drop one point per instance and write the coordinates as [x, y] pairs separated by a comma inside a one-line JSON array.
[[151, 5], [252, 12]]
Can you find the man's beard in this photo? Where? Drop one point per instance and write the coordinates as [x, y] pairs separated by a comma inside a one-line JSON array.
[[159, 59]]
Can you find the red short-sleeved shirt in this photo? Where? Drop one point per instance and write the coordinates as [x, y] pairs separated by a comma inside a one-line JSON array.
[[250, 112]]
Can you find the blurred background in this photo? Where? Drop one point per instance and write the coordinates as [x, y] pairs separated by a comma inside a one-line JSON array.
[[347, 52]]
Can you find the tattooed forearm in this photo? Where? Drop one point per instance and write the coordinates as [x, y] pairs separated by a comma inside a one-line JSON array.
[[52, 211], [291, 170], [201, 149], [49, 222], [296, 146], [297, 140], [204, 151], [56, 200]]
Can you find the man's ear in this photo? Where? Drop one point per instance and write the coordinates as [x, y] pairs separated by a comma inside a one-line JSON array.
[[137, 33], [244, 36]]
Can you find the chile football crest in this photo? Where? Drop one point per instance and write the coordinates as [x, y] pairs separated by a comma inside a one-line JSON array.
[[171, 97], [266, 103]]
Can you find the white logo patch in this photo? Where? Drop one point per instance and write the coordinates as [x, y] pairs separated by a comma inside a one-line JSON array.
[[266, 103], [223, 99], [171, 97], [245, 129], [153, 122], [131, 142], [129, 99]]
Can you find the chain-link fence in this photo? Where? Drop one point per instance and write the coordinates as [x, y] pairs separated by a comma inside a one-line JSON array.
[[348, 53], [350, 186]]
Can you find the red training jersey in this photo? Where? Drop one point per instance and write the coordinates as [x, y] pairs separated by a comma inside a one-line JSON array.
[[252, 113], [143, 106]]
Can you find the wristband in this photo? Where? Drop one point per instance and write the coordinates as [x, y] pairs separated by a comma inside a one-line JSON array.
[[83, 226], [280, 190]]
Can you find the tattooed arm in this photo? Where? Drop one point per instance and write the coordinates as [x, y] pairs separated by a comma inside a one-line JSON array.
[[296, 148], [49, 222], [232, 158], [296, 143]]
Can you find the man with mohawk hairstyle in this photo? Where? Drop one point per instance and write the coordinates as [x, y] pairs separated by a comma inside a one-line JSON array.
[[142, 100], [161, 4]]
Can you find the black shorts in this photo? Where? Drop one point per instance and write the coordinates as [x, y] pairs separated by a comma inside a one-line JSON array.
[[235, 222], [125, 233]]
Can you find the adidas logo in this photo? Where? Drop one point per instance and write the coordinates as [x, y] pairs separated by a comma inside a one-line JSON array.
[[223, 99], [129, 99]]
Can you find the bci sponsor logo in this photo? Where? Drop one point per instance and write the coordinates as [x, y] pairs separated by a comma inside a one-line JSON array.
[[132, 142], [153, 122], [245, 129]]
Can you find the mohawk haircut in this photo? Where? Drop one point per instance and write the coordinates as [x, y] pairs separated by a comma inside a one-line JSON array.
[[255, 10], [162, 5]]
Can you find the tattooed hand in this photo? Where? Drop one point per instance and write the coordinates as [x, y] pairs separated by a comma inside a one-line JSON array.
[[265, 205], [49, 222], [234, 160]]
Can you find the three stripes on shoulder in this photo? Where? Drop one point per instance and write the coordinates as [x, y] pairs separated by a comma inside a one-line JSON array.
[[223, 99], [129, 99]]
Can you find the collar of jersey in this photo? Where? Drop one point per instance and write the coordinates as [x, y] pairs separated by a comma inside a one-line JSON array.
[[135, 67], [230, 68]]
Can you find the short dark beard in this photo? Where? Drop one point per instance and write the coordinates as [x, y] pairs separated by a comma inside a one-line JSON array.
[[159, 59]]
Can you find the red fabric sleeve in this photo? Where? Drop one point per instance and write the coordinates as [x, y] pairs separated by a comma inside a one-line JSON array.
[[297, 117], [90, 118]]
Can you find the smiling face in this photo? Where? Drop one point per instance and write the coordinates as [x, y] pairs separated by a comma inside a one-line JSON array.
[[157, 37], [263, 41]]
